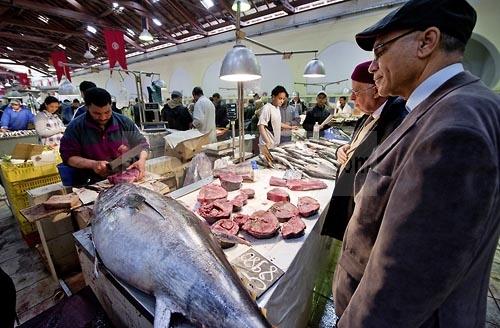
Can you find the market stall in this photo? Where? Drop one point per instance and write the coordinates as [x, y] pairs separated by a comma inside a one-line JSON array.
[[286, 301]]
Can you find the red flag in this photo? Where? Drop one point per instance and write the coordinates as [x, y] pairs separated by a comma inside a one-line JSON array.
[[23, 79], [58, 59], [115, 46]]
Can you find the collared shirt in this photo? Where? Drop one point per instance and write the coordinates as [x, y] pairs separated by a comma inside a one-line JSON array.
[[426, 88], [378, 112], [84, 138]]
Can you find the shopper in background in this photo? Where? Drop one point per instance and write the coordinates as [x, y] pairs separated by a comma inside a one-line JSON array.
[[176, 114], [204, 114], [16, 116], [290, 117], [343, 108], [299, 104], [84, 86], [221, 120], [318, 113], [270, 119], [382, 116], [48, 125], [419, 246], [98, 136], [250, 109]]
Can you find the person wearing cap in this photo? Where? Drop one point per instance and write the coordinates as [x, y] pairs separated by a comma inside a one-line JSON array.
[[99, 136], [297, 103], [381, 116], [419, 246], [204, 114], [176, 114], [16, 116], [319, 113]]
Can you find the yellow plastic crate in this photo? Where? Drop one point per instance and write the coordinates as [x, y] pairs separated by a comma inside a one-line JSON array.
[[18, 179]]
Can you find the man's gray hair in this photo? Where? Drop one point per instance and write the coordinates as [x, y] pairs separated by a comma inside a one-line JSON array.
[[451, 44]]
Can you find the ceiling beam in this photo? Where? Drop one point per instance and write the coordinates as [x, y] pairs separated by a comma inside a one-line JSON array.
[[195, 26], [287, 7], [25, 37], [46, 28]]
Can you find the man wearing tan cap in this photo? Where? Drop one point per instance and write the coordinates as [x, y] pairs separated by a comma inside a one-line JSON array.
[[419, 246]]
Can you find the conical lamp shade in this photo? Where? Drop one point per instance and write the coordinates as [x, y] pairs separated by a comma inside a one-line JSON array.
[[314, 69], [239, 65]]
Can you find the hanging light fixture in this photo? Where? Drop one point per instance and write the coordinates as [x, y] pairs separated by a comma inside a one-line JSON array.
[[240, 63], [145, 35], [7, 84], [88, 54], [244, 5], [314, 69]]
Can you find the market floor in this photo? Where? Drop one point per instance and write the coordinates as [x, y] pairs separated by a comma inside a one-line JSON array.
[[323, 310]]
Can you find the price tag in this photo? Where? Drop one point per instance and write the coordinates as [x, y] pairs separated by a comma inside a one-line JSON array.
[[232, 113], [257, 273]]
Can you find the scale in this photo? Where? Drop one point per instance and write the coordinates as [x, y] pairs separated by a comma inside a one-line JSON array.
[[152, 118]]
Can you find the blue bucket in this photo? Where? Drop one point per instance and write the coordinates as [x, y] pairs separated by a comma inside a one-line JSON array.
[[70, 176]]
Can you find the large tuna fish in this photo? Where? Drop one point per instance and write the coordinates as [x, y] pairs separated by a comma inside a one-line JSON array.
[[158, 246]]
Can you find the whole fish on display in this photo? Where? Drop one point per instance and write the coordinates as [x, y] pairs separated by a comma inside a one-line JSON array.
[[155, 244]]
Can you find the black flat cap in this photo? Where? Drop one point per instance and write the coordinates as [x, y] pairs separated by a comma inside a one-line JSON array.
[[453, 17]]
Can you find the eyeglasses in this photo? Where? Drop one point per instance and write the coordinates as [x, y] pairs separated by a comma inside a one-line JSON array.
[[358, 92], [378, 51]]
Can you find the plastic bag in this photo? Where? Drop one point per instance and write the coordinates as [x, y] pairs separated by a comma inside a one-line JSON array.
[[200, 168]]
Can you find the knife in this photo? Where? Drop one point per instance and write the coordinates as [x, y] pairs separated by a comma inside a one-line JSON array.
[[123, 161]]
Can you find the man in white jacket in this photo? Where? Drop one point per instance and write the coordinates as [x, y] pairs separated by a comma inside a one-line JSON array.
[[204, 114]]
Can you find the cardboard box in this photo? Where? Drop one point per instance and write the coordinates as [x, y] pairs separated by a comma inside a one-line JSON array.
[[26, 151], [186, 150], [163, 165]]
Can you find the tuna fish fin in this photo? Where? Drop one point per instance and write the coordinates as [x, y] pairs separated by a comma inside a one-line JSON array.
[[228, 238], [163, 312]]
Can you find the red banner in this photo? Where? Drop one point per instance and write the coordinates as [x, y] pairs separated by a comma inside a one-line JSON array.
[[23, 79], [115, 46], [58, 59]]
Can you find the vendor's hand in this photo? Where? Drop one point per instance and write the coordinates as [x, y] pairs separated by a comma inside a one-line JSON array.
[[100, 167], [122, 149], [141, 166], [342, 153], [4, 130]]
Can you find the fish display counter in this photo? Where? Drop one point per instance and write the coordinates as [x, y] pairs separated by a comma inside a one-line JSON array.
[[290, 265]]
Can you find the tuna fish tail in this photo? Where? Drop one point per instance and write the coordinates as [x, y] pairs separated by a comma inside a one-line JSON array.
[[163, 312]]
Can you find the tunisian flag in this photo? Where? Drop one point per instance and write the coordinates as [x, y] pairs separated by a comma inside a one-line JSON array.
[[115, 46], [58, 59], [23, 79]]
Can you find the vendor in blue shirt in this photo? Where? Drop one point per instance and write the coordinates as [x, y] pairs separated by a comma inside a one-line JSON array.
[[16, 117]]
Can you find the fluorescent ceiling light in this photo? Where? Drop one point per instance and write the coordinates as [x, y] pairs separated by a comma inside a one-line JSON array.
[[157, 21], [9, 48], [155, 1], [207, 3], [93, 48], [130, 32], [115, 4], [91, 29], [43, 18], [61, 46], [69, 58]]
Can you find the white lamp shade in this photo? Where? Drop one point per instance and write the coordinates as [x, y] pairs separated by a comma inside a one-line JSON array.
[[314, 69], [239, 65], [244, 5], [145, 35], [88, 55]]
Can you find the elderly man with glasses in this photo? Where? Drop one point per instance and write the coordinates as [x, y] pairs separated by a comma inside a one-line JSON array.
[[419, 246], [381, 116]]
